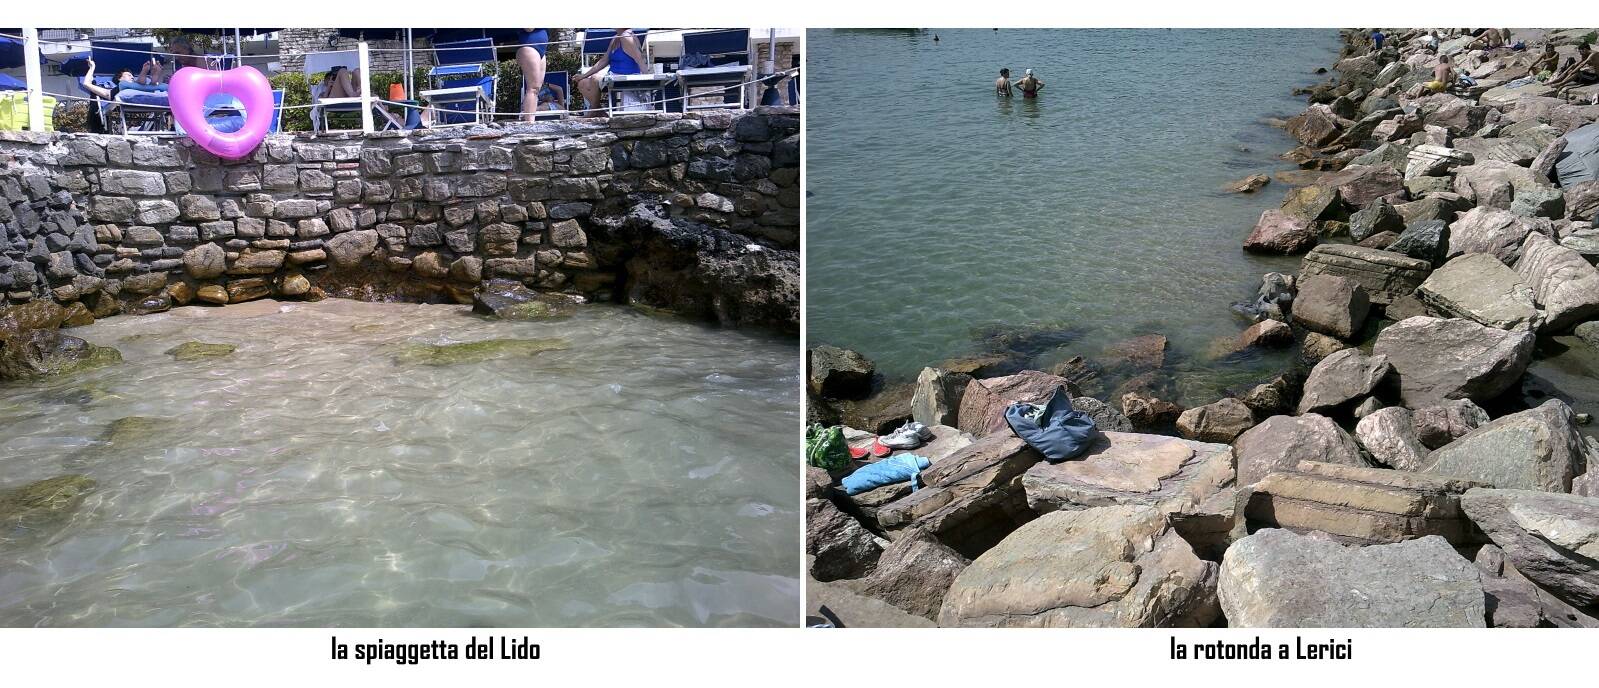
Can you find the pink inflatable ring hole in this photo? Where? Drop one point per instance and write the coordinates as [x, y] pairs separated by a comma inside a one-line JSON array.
[[190, 88]]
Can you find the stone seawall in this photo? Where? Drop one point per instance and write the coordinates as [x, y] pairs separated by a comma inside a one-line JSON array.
[[695, 213]]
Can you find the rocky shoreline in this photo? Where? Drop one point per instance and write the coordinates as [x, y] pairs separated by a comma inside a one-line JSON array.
[[1405, 470]]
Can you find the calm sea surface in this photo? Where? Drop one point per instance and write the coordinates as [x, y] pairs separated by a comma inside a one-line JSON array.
[[937, 208]]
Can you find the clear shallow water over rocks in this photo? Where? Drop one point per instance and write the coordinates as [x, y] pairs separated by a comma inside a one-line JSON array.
[[937, 208], [622, 470]]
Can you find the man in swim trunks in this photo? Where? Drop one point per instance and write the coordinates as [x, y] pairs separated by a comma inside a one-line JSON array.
[[1030, 85], [1442, 75], [1002, 84], [1585, 70]]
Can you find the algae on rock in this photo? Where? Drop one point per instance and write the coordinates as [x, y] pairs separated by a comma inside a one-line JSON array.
[[477, 352], [192, 351]]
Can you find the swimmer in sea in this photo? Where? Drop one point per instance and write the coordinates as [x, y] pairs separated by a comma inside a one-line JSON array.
[[1002, 84], [1030, 85]]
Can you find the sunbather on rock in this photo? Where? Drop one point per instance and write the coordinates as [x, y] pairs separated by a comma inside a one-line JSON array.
[[1583, 70]]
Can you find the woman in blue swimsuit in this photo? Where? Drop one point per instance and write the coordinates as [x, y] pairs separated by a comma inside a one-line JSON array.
[[530, 56], [623, 56]]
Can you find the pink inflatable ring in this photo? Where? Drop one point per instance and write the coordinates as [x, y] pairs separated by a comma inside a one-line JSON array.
[[187, 95]]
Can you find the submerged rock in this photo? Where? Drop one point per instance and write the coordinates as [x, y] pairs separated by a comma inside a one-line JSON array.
[[40, 353], [508, 300], [192, 351], [477, 352], [1277, 579], [38, 504]]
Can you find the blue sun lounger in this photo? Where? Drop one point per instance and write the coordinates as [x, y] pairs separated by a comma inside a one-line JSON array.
[[727, 52], [463, 86]]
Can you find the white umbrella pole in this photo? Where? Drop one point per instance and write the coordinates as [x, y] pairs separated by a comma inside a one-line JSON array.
[[30, 61], [410, 68]]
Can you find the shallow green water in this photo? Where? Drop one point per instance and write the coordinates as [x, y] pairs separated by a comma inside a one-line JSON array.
[[936, 207], [642, 473]]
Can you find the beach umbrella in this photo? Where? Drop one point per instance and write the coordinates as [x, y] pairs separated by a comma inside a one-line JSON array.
[[11, 83], [10, 52]]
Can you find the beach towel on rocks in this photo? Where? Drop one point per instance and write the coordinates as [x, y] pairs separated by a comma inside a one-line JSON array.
[[1580, 161], [894, 469], [1056, 430]]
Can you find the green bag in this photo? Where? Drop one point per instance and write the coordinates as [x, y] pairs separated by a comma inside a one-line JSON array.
[[825, 447]]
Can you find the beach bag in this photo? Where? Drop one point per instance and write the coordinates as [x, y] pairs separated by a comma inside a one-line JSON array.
[[825, 447], [1055, 429]]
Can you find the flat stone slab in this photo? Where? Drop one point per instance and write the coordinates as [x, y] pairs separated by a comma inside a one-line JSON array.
[[1359, 505], [1384, 275], [1112, 566], [1130, 468], [1479, 287], [1278, 579]]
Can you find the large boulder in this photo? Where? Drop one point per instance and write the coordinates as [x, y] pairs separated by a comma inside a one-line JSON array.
[[842, 547], [1358, 505], [1331, 304], [982, 406], [1562, 281], [836, 373], [1311, 203], [1479, 287], [1427, 240], [1112, 566], [1493, 183], [1373, 219], [1389, 435], [1317, 126], [1219, 421], [1128, 468], [913, 574], [1536, 449], [1341, 380], [1446, 422], [1384, 275], [1281, 442], [1360, 186], [1280, 232], [1516, 602], [938, 395], [1553, 539], [971, 499], [1278, 579], [1439, 359], [1489, 230]]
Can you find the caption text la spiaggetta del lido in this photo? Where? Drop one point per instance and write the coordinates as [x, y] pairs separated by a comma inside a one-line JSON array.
[[490, 647], [1260, 649]]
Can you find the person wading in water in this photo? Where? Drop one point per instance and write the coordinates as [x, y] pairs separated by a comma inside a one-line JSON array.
[[1002, 84], [1030, 85]]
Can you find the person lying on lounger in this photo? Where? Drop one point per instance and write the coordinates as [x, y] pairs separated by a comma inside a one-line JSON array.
[[340, 82], [123, 75]]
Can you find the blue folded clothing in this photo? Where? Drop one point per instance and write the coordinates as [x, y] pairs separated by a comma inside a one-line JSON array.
[[894, 469]]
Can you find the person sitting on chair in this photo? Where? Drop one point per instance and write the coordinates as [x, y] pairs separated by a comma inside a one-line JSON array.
[[623, 55], [340, 82], [552, 98]]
